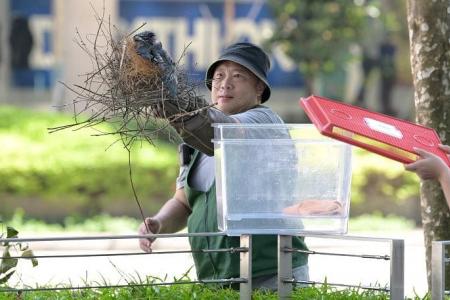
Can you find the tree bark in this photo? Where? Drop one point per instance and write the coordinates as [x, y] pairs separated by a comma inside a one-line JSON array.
[[429, 34]]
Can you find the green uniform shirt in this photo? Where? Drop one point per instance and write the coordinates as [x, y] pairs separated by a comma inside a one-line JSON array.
[[220, 265]]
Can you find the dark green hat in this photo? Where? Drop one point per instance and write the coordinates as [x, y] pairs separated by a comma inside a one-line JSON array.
[[249, 56]]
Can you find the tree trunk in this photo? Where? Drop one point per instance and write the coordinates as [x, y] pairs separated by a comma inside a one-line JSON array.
[[429, 33], [309, 86]]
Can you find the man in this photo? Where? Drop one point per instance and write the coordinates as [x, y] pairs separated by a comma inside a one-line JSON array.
[[238, 85], [431, 166]]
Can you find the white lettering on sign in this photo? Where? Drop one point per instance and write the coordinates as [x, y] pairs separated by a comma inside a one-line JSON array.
[[41, 26], [203, 45], [382, 127], [206, 41]]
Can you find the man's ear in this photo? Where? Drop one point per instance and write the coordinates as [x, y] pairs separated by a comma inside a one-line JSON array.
[[260, 87]]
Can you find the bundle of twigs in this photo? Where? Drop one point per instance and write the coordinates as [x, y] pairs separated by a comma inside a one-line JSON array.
[[125, 90]]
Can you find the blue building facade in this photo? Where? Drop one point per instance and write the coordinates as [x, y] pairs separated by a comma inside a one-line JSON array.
[[194, 32]]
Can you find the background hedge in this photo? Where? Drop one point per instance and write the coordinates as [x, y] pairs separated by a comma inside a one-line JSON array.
[[72, 172], [51, 176]]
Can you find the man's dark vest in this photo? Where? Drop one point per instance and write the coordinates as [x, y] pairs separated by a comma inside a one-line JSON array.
[[220, 265]]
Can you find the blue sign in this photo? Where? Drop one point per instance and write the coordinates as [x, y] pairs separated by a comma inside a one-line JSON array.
[[196, 31]]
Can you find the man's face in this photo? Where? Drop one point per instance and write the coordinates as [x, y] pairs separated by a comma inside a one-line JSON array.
[[234, 88]]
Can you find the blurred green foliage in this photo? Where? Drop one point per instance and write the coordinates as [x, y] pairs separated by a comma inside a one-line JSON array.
[[380, 223], [73, 172], [98, 223], [317, 34], [128, 225], [393, 182], [383, 186], [52, 176], [11, 251]]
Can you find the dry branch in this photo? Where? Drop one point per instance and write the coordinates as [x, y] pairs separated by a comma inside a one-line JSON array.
[[126, 90]]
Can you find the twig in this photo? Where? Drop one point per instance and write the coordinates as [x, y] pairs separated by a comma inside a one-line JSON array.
[[125, 90]]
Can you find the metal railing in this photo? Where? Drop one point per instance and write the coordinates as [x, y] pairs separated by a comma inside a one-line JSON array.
[[225, 281], [285, 277], [439, 260], [396, 257]]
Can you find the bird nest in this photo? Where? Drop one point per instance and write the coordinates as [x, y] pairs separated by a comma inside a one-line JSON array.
[[125, 90]]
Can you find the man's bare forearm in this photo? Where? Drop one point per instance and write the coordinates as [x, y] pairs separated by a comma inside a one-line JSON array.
[[172, 216]]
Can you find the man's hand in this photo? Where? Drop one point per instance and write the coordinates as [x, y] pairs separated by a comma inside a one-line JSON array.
[[154, 227], [150, 48], [429, 166]]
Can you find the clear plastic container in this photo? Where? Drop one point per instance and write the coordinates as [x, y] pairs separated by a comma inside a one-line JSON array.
[[280, 179]]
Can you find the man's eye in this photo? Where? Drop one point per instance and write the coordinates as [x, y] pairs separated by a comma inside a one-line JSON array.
[[218, 76]]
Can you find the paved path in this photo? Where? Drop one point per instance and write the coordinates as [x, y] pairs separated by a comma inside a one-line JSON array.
[[120, 269]]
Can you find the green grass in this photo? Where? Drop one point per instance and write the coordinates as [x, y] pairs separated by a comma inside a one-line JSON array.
[[99, 223], [202, 292], [196, 291], [376, 222], [124, 224]]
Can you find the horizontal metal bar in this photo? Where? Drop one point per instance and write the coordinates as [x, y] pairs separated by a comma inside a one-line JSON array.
[[369, 256], [348, 237], [231, 250], [171, 235], [88, 255], [226, 281], [110, 237], [445, 243], [339, 284]]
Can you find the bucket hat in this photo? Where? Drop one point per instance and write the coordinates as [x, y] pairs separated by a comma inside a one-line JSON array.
[[249, 56]]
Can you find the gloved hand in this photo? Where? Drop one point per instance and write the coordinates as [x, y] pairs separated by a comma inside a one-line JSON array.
[[168, 110], [150, 48], [179, 110], [197, 131]]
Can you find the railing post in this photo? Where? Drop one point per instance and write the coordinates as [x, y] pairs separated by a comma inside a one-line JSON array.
[[437, 270], [397, 279], [284, 267], [245, 288]]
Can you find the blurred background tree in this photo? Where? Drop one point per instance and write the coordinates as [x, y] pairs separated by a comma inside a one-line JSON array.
[[322, 37], [317, 34]]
